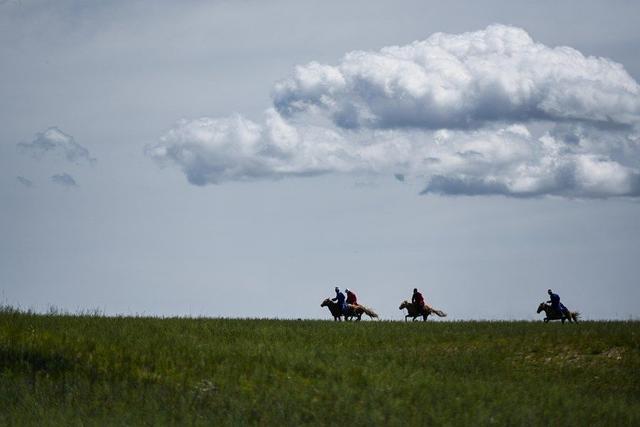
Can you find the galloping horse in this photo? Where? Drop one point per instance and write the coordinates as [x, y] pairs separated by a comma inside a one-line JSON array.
[[352, 311], [415, 312], [553, 314]]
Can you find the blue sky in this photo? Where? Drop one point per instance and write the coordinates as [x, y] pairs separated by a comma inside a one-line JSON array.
[[242, 158]]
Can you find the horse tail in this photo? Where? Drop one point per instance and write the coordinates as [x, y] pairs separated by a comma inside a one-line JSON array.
[[369, 312], [575, 315], [439, 313]]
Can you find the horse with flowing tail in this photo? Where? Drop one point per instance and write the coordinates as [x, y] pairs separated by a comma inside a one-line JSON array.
[[415, 312], [553, 314], [356, 311]]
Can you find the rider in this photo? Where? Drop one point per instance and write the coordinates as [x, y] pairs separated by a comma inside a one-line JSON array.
[[341, 300], [351, 297], [417, 300], [554, 299]]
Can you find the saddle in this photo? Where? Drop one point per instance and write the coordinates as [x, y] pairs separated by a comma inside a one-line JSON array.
[[561, 311]]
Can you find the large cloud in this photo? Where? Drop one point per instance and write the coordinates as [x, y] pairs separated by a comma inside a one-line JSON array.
[[453, 111], [54, 141], [237, 149], [497, 160], [462, 81], [510, 161]]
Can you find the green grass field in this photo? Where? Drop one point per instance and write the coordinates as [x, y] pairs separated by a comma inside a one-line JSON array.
[[86, 370]]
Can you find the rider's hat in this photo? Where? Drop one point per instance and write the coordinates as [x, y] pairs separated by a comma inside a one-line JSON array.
[[415, 289], [337, 288], [549, 291], [346, 290]]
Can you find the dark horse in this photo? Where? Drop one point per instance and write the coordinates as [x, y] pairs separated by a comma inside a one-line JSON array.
[[553, 314], [416, 312], [352, 311]]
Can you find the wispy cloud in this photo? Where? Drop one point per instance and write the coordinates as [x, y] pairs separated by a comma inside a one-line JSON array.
[[53, 141], [24, 181], [64, 179]]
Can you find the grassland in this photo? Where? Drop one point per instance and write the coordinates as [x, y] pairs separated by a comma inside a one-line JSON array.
[[87, 370]]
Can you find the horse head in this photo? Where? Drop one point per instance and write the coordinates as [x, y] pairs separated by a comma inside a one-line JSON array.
[[541, 307], [405, 304], [326, 303]]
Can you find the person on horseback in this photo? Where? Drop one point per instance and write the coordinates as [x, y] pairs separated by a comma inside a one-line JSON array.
[[340, 298], [554, 300], [418, 300], [351, 297]]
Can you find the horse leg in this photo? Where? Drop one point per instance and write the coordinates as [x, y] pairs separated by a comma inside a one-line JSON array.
[[546, 320]]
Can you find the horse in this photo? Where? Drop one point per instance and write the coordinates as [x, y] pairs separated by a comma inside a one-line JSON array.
[[414, 312], [553, 314], [356, 311]]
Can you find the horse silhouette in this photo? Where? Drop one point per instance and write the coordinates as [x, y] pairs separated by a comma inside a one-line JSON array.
[[553, 314], [415, 312], [353, 310]]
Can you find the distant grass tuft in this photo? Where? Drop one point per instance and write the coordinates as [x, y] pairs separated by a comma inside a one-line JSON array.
[[65, 370]]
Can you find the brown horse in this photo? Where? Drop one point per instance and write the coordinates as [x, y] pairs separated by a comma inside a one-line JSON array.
[[356, 311], [416, 312], [553, 314]]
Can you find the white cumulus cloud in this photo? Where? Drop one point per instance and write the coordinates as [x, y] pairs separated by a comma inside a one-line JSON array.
[[462, 81], [453, 111], [214, 150], [511, 162]]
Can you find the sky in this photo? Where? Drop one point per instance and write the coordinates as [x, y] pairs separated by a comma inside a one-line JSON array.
[[240, 159]]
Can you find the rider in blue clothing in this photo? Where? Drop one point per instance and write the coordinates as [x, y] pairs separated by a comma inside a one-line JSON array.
[[554, 299], [341, 299]]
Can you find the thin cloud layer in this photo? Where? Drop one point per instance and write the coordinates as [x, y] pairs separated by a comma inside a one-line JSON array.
[[24, 181], [53, 141], [64, 179], [452, 111], [463, 81]]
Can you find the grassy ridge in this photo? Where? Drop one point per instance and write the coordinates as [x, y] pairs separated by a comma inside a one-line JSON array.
[[71, 369]]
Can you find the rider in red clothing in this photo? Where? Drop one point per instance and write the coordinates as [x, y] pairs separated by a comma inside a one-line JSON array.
[[418, 300], [351, 297]]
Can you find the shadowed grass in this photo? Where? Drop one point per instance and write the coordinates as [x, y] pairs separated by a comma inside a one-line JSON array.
[[65, 370]]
